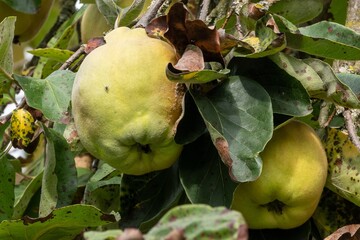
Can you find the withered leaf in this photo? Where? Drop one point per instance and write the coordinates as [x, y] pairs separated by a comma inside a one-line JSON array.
[[349, 232], [176, 32], [208, 40], [191, 60], [157, 27], [181, 31], [94, 43]]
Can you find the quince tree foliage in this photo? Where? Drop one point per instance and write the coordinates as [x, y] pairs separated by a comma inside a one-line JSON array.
[[179, 120]]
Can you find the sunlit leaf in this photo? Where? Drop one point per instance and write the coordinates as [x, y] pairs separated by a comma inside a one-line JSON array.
[[60, 55], [129, 14], [318, 38], [22, 202], [318, 78], [200, 222], [291, 10], [344, 164], [59, 180], [50, 95], [7, 28], [63, 224]]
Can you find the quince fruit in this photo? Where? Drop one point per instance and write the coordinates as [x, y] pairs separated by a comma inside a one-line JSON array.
[[27, 25], [125, 109], [292, 180], [93, 24]]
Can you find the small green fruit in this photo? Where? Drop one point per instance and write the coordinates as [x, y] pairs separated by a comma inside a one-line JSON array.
[[27, 25], [124, 107], [292, 180]]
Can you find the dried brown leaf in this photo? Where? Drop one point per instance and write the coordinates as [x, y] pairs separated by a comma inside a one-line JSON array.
[[349, 232], [208, 40], [157, 27], [192, 60], [176, 32]]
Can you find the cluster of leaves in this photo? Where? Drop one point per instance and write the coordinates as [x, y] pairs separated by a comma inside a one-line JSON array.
[[259, 64]]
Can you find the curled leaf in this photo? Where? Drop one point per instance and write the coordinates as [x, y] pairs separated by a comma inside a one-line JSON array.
[[191, 60], [349, 232]]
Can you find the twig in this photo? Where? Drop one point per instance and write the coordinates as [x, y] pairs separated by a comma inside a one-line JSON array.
[[351, 128], [5, 118], [204, 10], [150, 14], [73, 57]]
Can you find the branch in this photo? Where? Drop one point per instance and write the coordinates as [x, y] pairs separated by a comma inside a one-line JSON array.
[[150, 14], [73, 57], [204, 10]]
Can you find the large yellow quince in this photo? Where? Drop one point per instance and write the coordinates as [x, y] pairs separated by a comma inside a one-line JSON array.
[[27, 25], [292, 180], [124, 107]]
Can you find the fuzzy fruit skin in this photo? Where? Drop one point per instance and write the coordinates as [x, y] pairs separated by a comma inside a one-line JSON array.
[[294, 173], [124, 107], [26, 25]]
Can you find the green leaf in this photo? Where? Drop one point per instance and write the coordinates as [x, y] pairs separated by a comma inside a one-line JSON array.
[[103, 171], [204, 176], [7, 181], [129, 14], [104, 194], [59, 183], [24, 6], [202, 76], [62, 224], [60, 55], [338, 11], [60, 40], [333, 32], [147, 197], [337, 91], [109, 9], [24, 199], [265, 42], [296, 14], [326, 39], [288, 96], [334, 212], [318, 79], [200, 222], [344, 164], [51, 95], [235, 110], [5, 80], [350, 80], [7, 28], [109, 235]]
